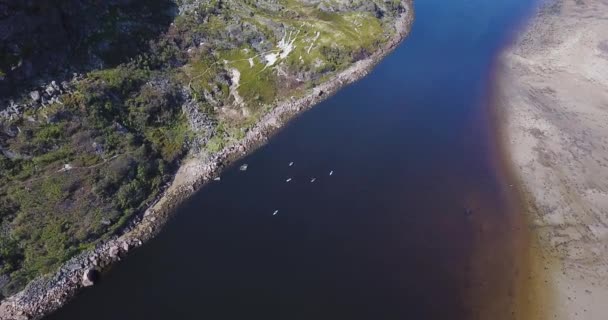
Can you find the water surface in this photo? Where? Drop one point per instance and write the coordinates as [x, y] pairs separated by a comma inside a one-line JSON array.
[[397, 232]]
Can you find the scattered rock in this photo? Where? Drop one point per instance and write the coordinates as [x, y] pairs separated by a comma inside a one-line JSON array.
[[89, 277], [35, 95], [114, 251], [50, 90]]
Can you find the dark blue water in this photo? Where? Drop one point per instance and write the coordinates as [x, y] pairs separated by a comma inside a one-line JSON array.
[[392, 234]]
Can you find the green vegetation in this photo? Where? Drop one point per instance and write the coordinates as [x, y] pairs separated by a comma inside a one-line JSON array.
[[257, 83], [73, 172]]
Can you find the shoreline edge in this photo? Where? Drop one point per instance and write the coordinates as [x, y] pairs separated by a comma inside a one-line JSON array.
[[46, 294]]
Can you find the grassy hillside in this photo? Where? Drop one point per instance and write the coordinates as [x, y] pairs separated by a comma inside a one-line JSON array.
[[78, 162]]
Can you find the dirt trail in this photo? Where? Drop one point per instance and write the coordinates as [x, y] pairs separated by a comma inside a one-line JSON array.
[[553, 91]]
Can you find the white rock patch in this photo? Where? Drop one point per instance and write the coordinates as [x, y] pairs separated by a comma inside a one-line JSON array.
[[285, 46], [235, 76]]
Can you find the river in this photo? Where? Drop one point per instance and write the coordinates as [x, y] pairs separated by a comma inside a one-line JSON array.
[[414, 222]]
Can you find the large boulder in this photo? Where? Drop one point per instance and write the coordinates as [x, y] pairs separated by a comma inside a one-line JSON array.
[[89, 277]]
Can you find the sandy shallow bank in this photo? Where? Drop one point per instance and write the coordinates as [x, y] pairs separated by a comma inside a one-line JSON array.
[[44, 295], [553, 94]]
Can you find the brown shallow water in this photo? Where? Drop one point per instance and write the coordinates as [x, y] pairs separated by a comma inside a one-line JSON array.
[[418, 220], [504, 256]]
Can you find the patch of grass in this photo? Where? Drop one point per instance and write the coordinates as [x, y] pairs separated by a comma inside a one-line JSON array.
[[169, 141], [257, 83], [216, 144]]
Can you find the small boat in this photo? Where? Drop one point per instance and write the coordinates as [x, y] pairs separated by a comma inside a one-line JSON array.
[[313, 180], [244, 167], [275, 212], [288, 179], [217, 179], [331, 172], [291, 164]]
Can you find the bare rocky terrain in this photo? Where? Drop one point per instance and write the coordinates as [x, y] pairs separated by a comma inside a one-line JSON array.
[[553, 91]]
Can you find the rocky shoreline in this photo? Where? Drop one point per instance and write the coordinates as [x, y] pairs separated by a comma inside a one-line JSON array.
[[46, 294]]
